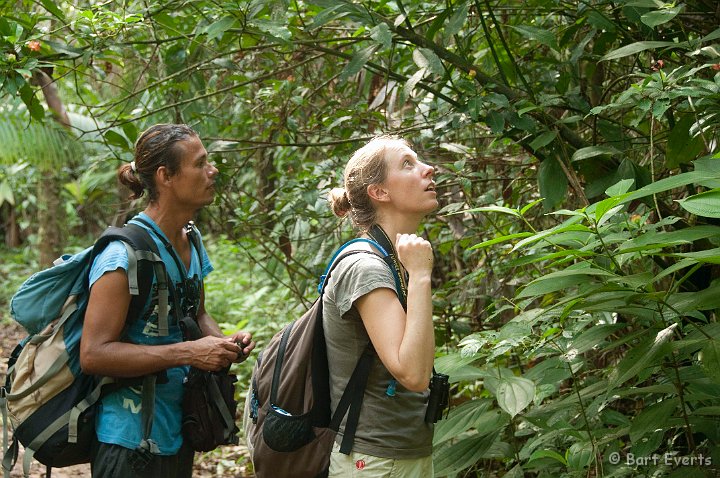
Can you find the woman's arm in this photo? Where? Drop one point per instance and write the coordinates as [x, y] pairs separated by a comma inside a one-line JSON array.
[[404, 342]]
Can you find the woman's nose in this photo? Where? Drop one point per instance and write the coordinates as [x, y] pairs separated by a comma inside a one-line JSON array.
[[429, 170]]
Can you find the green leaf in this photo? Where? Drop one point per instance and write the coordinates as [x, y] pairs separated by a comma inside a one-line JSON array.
[[592, 337], [116, 139], [658, 17], [653, 418], [381, 34], [634, 48], [329, 14], [413, 81], [552, 231], [580, 455], [457, 20], [500, 239], [641, 357], [621, 187], [710, 359], [500, 209], [495, 121], [543, 140], [51, 7], [454, 457], [539, 454], [682, 147], [592, 151], [546, 37], [552, 182], [357, 62], [514, 394], [427, 59], [460, 419], [559, 280], [6, 194], [705, 204], [131, 132], [218, 28]]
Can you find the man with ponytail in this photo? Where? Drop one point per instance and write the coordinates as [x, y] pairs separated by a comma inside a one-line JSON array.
[[172, 167]]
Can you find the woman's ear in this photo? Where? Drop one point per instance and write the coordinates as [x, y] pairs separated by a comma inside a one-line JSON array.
[[378, 193]]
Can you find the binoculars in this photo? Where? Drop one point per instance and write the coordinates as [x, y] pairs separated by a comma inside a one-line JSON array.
[[439, 398]]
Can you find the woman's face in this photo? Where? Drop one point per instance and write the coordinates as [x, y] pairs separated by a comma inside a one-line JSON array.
[[194, 183], [409, 181]]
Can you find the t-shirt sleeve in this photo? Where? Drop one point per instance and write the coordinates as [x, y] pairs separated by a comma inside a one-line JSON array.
[[112, 258], [360, 277]]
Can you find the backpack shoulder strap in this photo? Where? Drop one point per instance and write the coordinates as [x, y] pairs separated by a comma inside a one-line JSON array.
[[144, 263]]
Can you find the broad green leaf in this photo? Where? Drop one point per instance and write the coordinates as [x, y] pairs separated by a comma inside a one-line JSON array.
[[527, 207], [710, 359], [500, 209], [413, 81], [560, 280], [592, 337], [6, 194], [538, 454], [546, 37], [641, 357], [621, 187], [333, 13], [495, 121], [708, 256], [682, 147], [593, 151], [51, 7], [218, 28], [457, 20], [552, 182], [357, 62], [116, 139], [454, 457], [427, 59], [658, 17], [653, 418], [514, 394], [567, 226], [543, 140], [580, 455], [460, 419], [381, 34], [634, 48], [500, 239], [705, 204]]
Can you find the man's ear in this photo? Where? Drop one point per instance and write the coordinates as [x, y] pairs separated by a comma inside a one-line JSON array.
[[162, 176], [378, 193]]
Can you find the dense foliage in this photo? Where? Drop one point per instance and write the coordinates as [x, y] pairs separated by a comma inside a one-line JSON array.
[[575, 144]]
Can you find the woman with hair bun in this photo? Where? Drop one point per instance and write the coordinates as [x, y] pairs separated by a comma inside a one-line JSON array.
[[171, 165], [387, 192]]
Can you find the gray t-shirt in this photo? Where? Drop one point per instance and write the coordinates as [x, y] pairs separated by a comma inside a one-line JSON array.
[[389, 427]]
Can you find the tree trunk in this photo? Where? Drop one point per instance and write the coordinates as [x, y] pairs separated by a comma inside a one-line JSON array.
[[50, 210], [49, 206]]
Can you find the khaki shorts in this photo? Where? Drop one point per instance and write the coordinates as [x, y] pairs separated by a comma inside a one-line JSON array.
[[359, 465]]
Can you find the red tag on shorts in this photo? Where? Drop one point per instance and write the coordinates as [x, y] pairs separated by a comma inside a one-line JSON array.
[[360, 464]]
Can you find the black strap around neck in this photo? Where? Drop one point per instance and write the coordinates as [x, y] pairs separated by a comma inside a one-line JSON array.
[[379, 235], [190, 328]]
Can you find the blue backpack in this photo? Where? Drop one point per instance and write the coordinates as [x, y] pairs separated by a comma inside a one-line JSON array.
[[49, 402]]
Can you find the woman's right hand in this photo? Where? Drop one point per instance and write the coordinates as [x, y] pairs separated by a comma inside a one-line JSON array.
[[415, 253]]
